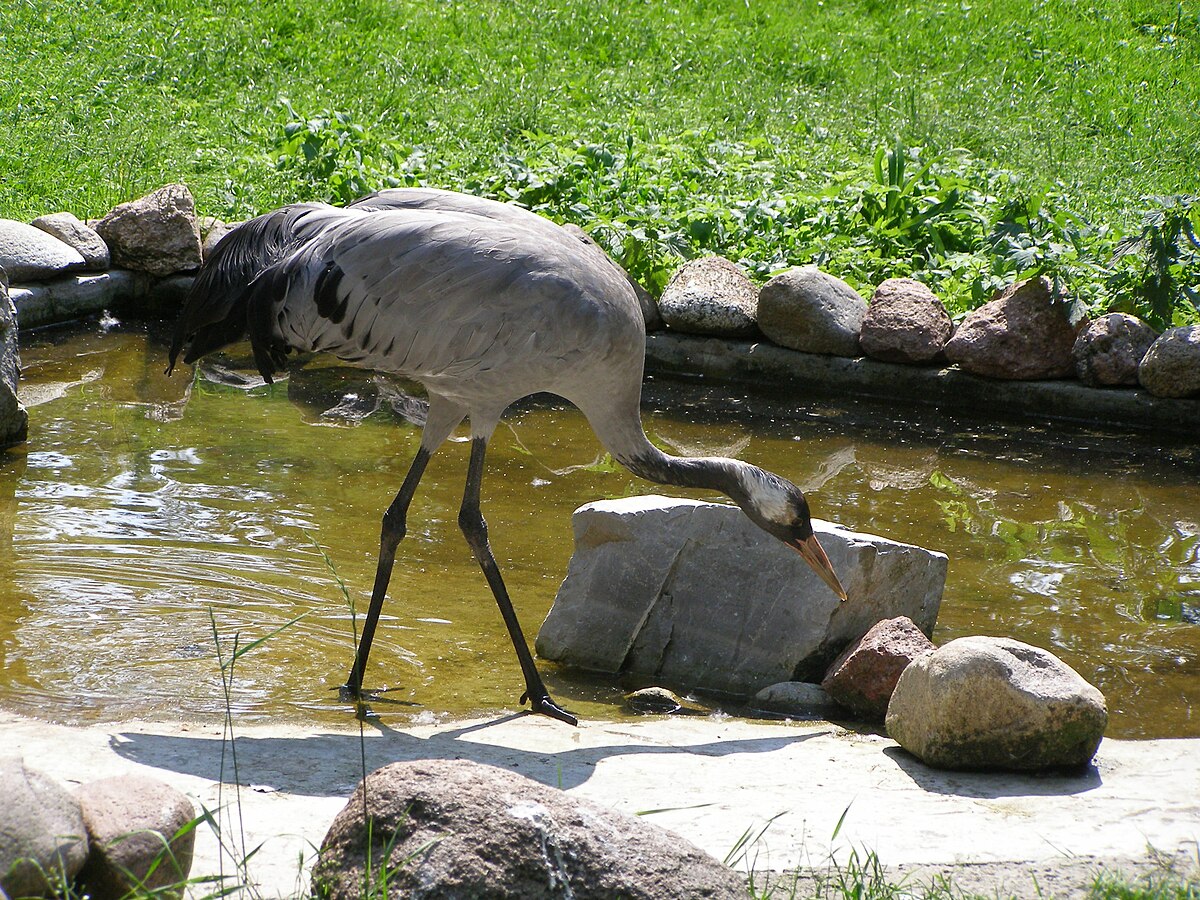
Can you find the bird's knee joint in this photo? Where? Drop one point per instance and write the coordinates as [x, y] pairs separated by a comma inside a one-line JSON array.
[[473, 525], [393, 529]]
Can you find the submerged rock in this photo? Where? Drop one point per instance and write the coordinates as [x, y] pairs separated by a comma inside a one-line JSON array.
[[660, 701], [695, 595], [798, 700], [996, 703]]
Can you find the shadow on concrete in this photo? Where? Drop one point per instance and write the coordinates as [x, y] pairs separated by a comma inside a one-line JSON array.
[[332, 764], [993, 785]]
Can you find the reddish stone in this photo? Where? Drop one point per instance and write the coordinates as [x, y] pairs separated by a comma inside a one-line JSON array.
[[863, 677], [1023, 333]]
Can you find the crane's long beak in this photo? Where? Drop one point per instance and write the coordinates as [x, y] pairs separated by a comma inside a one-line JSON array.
[[814, 554]]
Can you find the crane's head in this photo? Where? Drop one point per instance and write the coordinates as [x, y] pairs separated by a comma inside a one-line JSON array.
[[779, 508]]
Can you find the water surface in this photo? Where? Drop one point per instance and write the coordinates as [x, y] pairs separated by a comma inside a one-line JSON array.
[[152, 523]]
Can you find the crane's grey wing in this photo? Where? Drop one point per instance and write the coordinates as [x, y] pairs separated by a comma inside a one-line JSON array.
[[391, 199], [436, 295], [452, 201]]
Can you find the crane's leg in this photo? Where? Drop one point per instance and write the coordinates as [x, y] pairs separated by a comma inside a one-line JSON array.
[[472, 523], [394, 529], [442, 418]]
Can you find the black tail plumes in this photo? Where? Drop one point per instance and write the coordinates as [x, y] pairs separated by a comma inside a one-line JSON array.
[[233, 291]]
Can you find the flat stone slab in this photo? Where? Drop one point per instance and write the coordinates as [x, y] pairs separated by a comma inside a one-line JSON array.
[[715, 777], [948, 388]]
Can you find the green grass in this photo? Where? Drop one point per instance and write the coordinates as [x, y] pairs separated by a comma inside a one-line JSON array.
[[1037, 131], [103, 100], [752, 129]]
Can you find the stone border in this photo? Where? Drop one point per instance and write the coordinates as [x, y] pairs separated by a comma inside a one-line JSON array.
[[757, 363], [765, 364]]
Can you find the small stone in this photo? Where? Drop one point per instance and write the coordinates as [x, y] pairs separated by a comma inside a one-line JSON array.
[[1110, 348], [905, 323], [135, 826], [863, 677], [995, 703], [1023, 333], [30, 254], [76, 234], [710, 295], [660, 701], [211, 232], [806, 309], [157, 233], [798, 700], [1171, 367]]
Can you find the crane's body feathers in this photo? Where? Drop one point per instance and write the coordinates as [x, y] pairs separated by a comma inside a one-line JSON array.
[[483, 304]]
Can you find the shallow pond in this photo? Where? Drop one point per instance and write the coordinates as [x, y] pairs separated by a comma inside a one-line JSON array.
[[151, 523]]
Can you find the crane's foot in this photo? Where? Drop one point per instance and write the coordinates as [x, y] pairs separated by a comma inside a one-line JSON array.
[[547, 707]]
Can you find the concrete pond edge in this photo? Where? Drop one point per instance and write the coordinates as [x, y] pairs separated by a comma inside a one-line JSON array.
[[948, 388], [824, 791]]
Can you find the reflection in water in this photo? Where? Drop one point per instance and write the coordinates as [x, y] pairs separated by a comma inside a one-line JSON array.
[[150, 518]]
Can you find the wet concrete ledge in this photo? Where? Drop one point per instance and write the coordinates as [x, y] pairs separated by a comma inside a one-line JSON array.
[[79, 296], [811, 374]]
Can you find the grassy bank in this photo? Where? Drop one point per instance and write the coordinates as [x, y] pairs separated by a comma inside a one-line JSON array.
[[1032, 133]]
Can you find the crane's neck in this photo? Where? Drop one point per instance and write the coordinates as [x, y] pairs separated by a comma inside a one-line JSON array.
[[712, 472], [619, 428]]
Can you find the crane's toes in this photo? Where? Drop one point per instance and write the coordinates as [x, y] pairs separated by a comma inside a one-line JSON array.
[[547, 707]]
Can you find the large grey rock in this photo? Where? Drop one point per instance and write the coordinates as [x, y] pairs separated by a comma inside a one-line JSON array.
[[863, 677], [1023, 333], [41, 831], [996, 703], [905, 323], [157, 233], [14, 420], [650, 311], [809, 310], [1171, 367], [1109, 349], [454, 829], [710, 295], [74, 233], [136, 836], [695, 595], [29, 254]]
